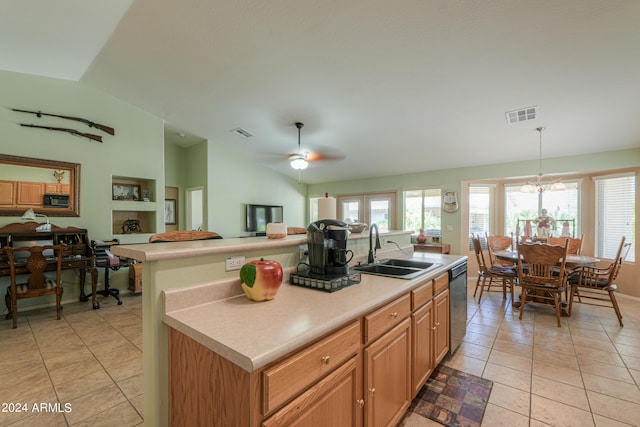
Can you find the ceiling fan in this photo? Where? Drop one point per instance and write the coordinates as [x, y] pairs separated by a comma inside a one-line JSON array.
[[300, 159]]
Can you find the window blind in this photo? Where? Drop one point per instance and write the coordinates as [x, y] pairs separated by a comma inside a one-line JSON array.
[[615, 214]]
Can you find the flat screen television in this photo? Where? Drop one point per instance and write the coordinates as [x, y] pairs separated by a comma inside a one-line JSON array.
[[258, 216]]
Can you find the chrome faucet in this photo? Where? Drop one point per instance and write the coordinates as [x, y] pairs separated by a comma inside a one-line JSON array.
[[372, 250]]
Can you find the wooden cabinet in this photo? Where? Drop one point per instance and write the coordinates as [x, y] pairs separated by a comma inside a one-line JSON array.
[[291, 376], [30, 193], [364, 373], [441, 325], [57, 188], [135, 277], [422, 346], [7, 193], [388, 377], [334, 401]]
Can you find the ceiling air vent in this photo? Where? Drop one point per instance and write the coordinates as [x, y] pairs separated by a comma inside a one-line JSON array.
[[242, 132], [522, 114]]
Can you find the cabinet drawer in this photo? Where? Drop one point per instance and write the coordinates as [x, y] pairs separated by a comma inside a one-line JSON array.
[[291, 376], [421, 295], [440, 283], [385, 318]]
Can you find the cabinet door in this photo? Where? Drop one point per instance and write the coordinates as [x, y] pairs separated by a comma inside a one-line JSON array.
[[334, 401], [388, 377], [422, 346], [30, 193], [7, 193], [441, 325]]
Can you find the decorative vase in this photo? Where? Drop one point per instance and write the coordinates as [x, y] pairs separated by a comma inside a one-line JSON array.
[[421, 237], [261, 279]]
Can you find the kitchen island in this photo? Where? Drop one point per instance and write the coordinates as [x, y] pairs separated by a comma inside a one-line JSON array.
[[261, 355], [181, 265]]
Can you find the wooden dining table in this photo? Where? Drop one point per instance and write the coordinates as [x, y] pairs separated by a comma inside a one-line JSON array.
[[573, 262]]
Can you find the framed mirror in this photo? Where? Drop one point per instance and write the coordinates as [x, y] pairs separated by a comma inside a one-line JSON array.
[[48, 187]]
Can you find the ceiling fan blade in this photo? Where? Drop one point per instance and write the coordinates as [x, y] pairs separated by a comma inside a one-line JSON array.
[[320, 157]]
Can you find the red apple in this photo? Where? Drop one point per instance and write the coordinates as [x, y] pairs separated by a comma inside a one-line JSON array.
[[261, 279]]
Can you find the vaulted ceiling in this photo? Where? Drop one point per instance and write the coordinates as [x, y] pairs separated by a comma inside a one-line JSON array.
[[392, 87]]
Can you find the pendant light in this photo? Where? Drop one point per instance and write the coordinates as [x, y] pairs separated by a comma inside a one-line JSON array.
[[299, 160], [538, 184]]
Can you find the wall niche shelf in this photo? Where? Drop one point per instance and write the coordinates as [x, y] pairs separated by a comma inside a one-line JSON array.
[[133, 219]]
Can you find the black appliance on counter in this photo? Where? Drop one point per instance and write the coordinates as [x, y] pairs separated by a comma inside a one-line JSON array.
[[328, 267], [457, 305]]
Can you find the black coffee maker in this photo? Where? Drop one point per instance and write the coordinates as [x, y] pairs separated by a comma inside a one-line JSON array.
[[327, 243]]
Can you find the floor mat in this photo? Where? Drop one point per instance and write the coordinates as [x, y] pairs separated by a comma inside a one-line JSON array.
[[453, 398]]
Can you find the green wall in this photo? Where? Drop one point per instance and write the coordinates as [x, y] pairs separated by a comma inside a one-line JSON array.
[[451, 179], [233, 182]]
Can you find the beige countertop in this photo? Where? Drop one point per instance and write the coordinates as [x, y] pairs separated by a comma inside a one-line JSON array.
[[253, 334], [176, 250]]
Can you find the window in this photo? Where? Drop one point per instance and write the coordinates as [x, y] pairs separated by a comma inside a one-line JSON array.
[[313, 209], [480, 217], [423, 210], [560, 205], [370, 208], [615, 214]]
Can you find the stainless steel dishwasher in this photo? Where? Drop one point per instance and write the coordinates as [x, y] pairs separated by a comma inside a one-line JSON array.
[[457, 305]]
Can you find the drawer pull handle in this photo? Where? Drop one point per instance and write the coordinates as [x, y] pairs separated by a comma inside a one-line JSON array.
[[434, 328], [360, 403], [394, 314], [437, 323], [372, 391], [325, 360]]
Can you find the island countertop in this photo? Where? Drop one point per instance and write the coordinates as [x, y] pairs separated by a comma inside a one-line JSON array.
[[186, 249], [253, 334]]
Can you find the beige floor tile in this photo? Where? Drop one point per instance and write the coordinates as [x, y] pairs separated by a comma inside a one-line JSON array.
[[602, 356], [482, 329], [132, 386], [610, 387], [82, 384], [84, 368], [560, 392], [510, 360], [614, 408], [558, 373], [510, 398], [42, 420], [466, 364], [479, 339], [594, 344], [555, 358], [125, 370], [90, 404], [415, 420], [508, 376], [631, 362], [558, 414], [514, 347], [473, 350], [497, 416], [619, 373], [607, 422], [122, 415], [138, 404]]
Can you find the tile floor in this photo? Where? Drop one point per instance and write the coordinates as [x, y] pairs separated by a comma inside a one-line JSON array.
[[585, 373], [89, 360]]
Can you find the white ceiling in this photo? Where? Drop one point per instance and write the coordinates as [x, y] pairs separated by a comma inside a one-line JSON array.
[[396, 87]]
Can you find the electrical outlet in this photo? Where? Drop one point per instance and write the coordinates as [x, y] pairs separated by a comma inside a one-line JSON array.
[[234, 263]]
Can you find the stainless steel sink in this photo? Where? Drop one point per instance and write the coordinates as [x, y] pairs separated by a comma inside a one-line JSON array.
[[414, 263], [398, 268]]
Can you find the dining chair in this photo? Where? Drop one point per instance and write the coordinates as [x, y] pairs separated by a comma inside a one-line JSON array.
[[536, 265], [499, 243], [36, 284], [487, 273], [596, 283], [575, 244]]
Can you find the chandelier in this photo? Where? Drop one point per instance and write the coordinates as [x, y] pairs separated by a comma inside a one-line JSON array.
[[538, 184]]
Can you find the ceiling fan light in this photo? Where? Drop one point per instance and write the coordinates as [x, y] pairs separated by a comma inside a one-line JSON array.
[[299, 163]]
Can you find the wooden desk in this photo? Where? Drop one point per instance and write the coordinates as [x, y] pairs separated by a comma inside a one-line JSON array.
[[77, 253], [438, 248]]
